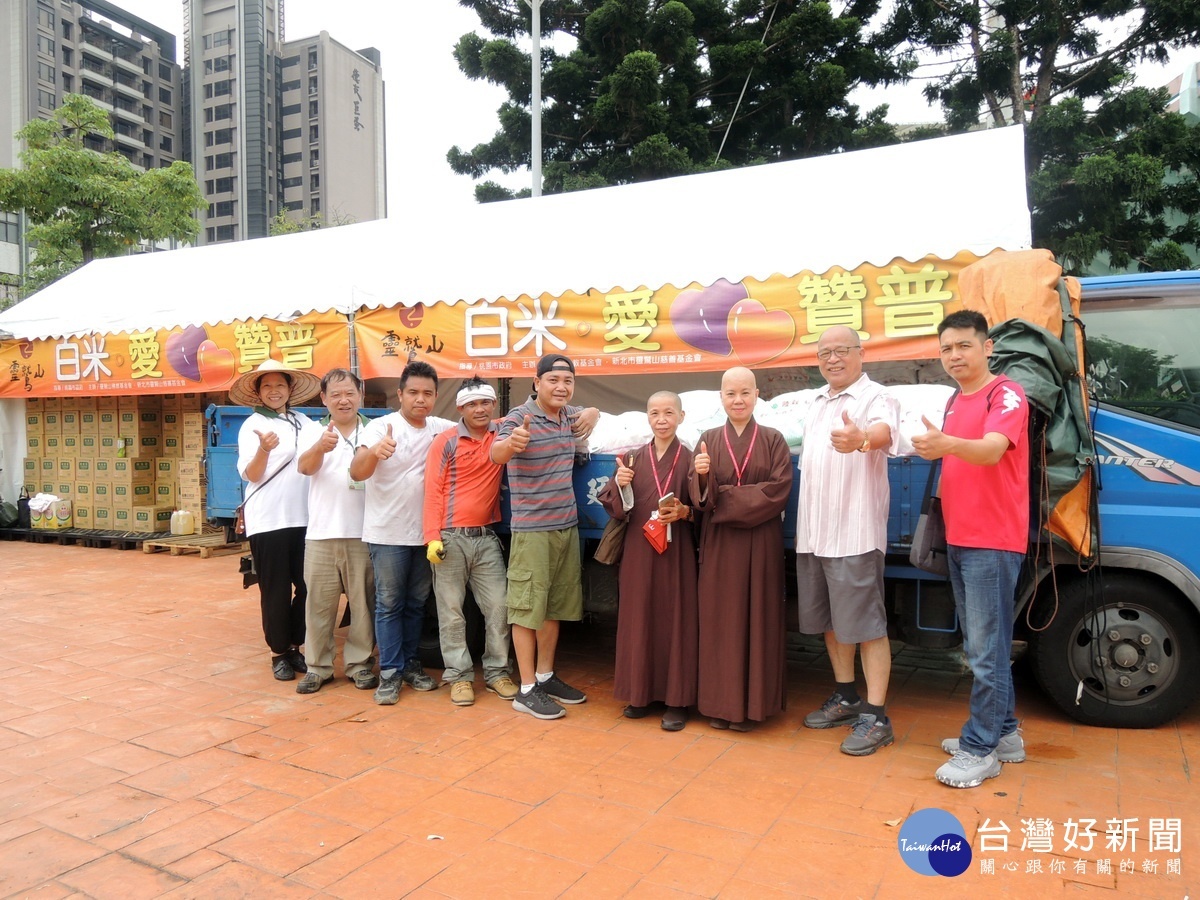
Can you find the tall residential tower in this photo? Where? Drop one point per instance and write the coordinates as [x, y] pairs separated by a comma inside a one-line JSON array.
[[295, 127], [49, 48]]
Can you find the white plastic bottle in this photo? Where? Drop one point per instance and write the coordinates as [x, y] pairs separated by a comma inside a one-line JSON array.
[[183, 522]]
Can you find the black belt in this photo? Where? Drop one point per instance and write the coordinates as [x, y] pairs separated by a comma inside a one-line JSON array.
[[471, 531]]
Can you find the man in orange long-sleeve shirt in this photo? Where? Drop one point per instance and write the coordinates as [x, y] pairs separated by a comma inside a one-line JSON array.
[[462, 502]]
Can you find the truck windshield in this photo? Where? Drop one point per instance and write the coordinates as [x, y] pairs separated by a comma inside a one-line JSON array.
[[1144, 354]]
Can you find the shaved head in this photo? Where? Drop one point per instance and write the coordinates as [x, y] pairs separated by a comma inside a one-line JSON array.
[[663, 397], [739, 393], [738, 375]]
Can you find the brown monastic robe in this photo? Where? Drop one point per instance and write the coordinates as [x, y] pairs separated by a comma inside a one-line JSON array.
[[741, 593], [656, 621]]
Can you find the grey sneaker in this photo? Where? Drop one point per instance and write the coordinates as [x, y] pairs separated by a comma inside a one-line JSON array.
[[388, 691], [311, 683], [365, 679], [1011, 748], [869, 735], [415, 675], [834, 711], [561, 691], [538, 704], [965, 770]]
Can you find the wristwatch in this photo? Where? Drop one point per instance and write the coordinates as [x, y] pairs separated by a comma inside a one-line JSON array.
[[866, 444]]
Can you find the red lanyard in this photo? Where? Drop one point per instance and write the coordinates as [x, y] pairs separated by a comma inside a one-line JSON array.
[[740, 470], [654, 468]]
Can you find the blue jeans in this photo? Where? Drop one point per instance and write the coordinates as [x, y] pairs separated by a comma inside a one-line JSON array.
[[403, 584], [985, 586]]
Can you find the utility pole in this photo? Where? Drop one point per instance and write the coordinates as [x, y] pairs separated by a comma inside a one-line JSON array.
[[535, 106]]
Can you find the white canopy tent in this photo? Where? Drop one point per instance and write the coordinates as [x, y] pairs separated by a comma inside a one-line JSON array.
[[962, 193], [938, 196]]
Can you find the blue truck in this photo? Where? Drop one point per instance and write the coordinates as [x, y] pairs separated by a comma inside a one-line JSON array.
[[1115, 644]]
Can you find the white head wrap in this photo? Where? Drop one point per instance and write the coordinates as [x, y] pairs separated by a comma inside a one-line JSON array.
[[475, 392]]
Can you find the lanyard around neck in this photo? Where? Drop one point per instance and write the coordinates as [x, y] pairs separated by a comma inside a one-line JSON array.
[[662, 492], [739, 471]]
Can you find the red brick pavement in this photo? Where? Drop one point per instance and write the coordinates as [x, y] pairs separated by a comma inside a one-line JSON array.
[[146, 751]]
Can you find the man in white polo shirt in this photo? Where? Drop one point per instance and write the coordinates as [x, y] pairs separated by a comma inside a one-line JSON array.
[[841, 536], [336, 560], [391, 459]]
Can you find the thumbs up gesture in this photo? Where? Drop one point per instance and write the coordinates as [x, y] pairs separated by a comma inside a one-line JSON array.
[[267, 440], [385, 446], [624, 474], [848, 437], [328, 439], [933, 444], [519, 439], [701, 462]]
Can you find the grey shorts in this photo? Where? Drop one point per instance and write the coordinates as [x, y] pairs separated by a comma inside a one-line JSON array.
[[843, 595]]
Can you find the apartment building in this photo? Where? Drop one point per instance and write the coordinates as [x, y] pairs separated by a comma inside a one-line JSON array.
[[1185, 93], [279, 126], [126, 65]]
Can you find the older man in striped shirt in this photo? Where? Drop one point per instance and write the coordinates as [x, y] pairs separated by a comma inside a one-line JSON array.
[[537, 440], [841, 536]]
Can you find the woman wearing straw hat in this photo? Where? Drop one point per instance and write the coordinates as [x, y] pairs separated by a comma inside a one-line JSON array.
[[276, 502]]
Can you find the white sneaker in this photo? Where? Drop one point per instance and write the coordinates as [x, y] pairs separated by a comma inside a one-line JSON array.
[[1011, 748], [965, 770]]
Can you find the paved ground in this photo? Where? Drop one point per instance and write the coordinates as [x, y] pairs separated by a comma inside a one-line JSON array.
[[146, 751]]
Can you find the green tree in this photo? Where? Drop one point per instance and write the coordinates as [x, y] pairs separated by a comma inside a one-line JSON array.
[[1109, 170], [85, 205], [646, 89], [285, 224]]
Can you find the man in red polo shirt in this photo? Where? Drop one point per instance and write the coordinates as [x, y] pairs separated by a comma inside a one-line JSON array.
[[984, 450], [462, 502]]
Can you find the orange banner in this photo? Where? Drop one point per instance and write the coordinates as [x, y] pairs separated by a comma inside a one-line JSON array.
[[197, 358], [895, 309]]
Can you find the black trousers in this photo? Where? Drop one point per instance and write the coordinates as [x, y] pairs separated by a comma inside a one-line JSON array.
[[279, 561]]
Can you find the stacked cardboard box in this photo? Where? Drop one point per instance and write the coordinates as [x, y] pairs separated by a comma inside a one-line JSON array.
[[124, 463], [190, 487]]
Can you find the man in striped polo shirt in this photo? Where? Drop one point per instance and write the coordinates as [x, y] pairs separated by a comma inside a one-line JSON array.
[[537, 441], [462, 502]]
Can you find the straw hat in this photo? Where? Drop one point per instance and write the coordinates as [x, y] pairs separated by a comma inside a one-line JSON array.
[[305, 385]]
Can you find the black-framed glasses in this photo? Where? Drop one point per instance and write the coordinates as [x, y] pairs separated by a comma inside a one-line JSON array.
[[841, 352]]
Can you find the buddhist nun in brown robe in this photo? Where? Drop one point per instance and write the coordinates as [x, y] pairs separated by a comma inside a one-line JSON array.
[[740, 481], [656, 620]]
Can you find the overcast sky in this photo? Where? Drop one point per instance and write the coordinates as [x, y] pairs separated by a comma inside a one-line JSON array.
[[431, 105]]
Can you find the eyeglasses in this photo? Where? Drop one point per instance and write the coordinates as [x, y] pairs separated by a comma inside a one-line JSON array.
[[842, 352]]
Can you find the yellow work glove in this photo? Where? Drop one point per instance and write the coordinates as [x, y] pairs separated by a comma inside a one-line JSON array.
[[435, 552]]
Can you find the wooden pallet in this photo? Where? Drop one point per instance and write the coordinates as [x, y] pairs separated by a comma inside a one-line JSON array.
[[84, 537], [212, 543]]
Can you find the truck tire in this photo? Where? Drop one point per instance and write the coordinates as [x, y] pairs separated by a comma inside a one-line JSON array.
[[1137, 653]]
